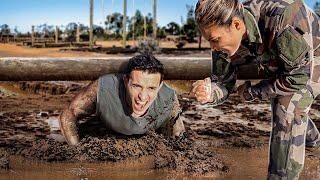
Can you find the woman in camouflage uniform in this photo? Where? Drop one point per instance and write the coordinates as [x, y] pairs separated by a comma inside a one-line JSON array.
[[281, 38]]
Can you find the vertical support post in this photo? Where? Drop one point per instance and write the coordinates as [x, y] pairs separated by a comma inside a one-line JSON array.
[[103, 18], [78, 33], [133, 23], [32, 35], [124, 23], [145, 22], [155, 28], [56, 35], [91, 25]]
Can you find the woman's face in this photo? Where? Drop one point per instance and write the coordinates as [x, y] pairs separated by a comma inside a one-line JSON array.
[[225, 38]]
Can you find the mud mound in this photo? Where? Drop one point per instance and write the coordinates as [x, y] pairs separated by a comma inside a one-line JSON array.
[[172, 153], [185, 155]]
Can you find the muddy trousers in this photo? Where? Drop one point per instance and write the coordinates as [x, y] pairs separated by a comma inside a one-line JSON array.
[[292, 130]]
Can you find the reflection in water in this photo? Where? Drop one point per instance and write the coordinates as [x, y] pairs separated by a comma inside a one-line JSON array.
[[54, 125], [53, 122]]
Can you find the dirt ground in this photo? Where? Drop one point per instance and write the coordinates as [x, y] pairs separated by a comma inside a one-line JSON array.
[[225, 142], [11, 50]]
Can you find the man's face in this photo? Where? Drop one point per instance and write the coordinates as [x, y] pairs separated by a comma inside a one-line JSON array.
[[142, 90], [225, 38]]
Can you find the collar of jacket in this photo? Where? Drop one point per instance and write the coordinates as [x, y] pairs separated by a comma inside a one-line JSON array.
[[251, 24]]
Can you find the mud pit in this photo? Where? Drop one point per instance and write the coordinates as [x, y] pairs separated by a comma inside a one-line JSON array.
[[217, 137]]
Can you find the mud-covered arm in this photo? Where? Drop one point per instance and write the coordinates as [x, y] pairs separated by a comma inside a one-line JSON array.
[[178, 126], [174, 126], [82, 105]]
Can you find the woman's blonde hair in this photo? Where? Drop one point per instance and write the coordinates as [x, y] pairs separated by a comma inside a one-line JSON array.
[[217, 12]]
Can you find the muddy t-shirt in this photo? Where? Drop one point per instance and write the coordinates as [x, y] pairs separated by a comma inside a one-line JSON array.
[[114, 111]]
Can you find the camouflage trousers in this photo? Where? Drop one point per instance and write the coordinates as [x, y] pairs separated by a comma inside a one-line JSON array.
[[292, 130]]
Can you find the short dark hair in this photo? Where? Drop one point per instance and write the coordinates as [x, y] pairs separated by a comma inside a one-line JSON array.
[[145, 62]]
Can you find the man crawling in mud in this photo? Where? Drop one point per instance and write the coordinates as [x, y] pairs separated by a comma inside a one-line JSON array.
[[129, 103]]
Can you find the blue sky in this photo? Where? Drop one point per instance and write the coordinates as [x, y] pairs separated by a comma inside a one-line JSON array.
[[24, 13]]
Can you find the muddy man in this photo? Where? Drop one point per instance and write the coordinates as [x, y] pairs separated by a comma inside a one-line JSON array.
[[129, 103], [281, 40]]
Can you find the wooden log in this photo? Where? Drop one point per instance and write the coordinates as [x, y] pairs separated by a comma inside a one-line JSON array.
[[68, 69]]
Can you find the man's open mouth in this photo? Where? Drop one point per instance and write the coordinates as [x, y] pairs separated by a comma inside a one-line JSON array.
[[139, 105]]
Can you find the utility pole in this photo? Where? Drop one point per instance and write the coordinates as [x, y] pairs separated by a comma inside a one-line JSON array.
[[124, 23], [57, 34], [155, 28], [91, 25], [32, 35]]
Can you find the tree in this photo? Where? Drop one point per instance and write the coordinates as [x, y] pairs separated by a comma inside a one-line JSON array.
[[317, 8], [71, 31], [98, 31], [190, 28], [138, 21], [114, 24], [173, 28], [5, 29], [45, 30], [161, 32]]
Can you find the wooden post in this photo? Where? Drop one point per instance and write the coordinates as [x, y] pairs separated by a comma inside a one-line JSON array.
[[124, 24], [133, 23], [145, 22], [91, 25], [32, 35], [57, 34], [78, 33], [155, 28]]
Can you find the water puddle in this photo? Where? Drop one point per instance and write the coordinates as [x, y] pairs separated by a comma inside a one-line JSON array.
[[245, 164]]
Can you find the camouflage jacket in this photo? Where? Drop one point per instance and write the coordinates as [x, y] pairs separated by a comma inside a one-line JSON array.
[[283, 39]]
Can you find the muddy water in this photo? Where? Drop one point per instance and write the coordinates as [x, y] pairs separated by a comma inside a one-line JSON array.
[[135, 169], [244, 165]]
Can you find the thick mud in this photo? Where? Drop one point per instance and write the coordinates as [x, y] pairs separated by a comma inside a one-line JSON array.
[[30, 128], [33, 139], [35, 134]]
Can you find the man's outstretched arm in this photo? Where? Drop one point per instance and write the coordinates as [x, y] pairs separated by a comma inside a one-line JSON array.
[[82, 105]]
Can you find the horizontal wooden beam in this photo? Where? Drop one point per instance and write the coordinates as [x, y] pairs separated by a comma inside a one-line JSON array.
[[90, 68]]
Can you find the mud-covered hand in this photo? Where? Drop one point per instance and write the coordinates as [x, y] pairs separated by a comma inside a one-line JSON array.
[[245, 92], [202, 91]]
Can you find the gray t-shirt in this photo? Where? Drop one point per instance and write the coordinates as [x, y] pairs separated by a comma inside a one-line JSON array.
[[114, 111]]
